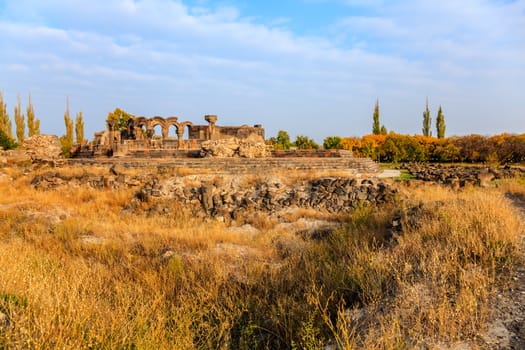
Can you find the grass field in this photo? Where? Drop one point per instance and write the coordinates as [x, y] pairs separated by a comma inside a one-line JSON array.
[[83, 269]]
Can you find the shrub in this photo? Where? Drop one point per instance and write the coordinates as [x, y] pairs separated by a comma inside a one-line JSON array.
[[6, 142]]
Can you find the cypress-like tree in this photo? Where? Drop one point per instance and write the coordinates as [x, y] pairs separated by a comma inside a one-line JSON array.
[[5, 122], [33, 125], [440, 124], [67, 139], [20, 124], [427, 122], [79, 128], [376, 126]]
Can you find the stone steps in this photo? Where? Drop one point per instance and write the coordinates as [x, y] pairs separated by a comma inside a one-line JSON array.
[[244, 165]]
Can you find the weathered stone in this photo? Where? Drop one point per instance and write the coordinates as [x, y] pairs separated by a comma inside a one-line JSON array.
[[117, 169], [4, 321], [207, 197], [42, 147]]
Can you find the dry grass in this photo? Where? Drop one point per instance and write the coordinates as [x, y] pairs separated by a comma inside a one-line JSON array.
[[81, 270]]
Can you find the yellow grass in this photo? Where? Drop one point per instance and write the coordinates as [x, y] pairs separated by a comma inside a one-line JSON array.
[[82, 268]]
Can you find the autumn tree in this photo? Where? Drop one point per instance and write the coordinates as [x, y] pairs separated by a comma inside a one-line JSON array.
[[20, 124], [67, 139], [119, 118], [427, 122], [376, 126], [352, 144], [79, 128], [440, 124], [33, 125], [5, 122]]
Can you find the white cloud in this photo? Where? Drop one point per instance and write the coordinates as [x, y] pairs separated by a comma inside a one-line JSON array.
[[149, 54]]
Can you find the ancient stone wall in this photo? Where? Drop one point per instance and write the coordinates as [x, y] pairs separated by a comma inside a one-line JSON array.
[[349, 166], [230, 197]]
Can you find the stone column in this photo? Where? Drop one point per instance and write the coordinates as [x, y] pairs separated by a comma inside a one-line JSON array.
[[211, 119], [180, 136]]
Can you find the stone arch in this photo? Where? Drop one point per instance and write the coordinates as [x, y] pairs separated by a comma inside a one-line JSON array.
[[141, 126], [161, 122], [180, 131], [172, 121]]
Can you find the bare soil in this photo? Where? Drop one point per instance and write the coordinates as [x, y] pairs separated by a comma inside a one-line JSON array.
[[506, 329]]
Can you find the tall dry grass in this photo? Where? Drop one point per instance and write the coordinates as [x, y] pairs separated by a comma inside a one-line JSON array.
[[84, 269]]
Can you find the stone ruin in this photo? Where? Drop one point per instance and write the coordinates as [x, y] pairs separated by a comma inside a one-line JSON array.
[[140, 139]]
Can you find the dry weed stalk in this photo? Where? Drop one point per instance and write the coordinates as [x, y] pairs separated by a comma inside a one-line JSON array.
[[82, 270]]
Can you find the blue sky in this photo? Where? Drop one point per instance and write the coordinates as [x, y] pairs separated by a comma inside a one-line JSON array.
[[311, 67]]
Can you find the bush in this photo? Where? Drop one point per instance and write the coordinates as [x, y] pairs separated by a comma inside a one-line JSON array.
[[6, 142]]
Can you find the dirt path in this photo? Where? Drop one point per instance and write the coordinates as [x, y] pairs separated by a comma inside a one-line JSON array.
[[506, 330]]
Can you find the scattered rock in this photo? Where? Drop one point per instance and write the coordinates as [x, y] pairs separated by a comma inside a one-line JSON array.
[[461, 176]]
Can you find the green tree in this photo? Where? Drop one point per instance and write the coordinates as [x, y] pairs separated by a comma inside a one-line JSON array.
[[5, 122], [282, 141], [67, 139], [33, 125], [440, 124], [304, 142], [6, 142], [20, 124], [383, 130], [119, 118], [332, 142], [427, 122], [79, 128], [376, 126]]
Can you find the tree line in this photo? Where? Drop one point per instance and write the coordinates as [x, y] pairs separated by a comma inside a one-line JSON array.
[[386, 146], [381, 145], [395, 148], [8, 140]]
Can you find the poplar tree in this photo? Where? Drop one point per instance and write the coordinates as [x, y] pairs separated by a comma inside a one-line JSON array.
[[427, 122], [20, 124], [67, 139], [33, 125], [79, 128], [440, 124], [376, 126], [5, 122]]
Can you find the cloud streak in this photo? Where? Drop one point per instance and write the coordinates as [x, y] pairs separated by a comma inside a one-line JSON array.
[[166, 57]]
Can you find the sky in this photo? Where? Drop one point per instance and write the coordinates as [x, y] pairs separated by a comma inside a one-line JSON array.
[[310, 67]]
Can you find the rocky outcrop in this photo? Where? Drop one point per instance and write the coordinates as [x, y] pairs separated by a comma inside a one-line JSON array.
[[252, 147], [42, 147]]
